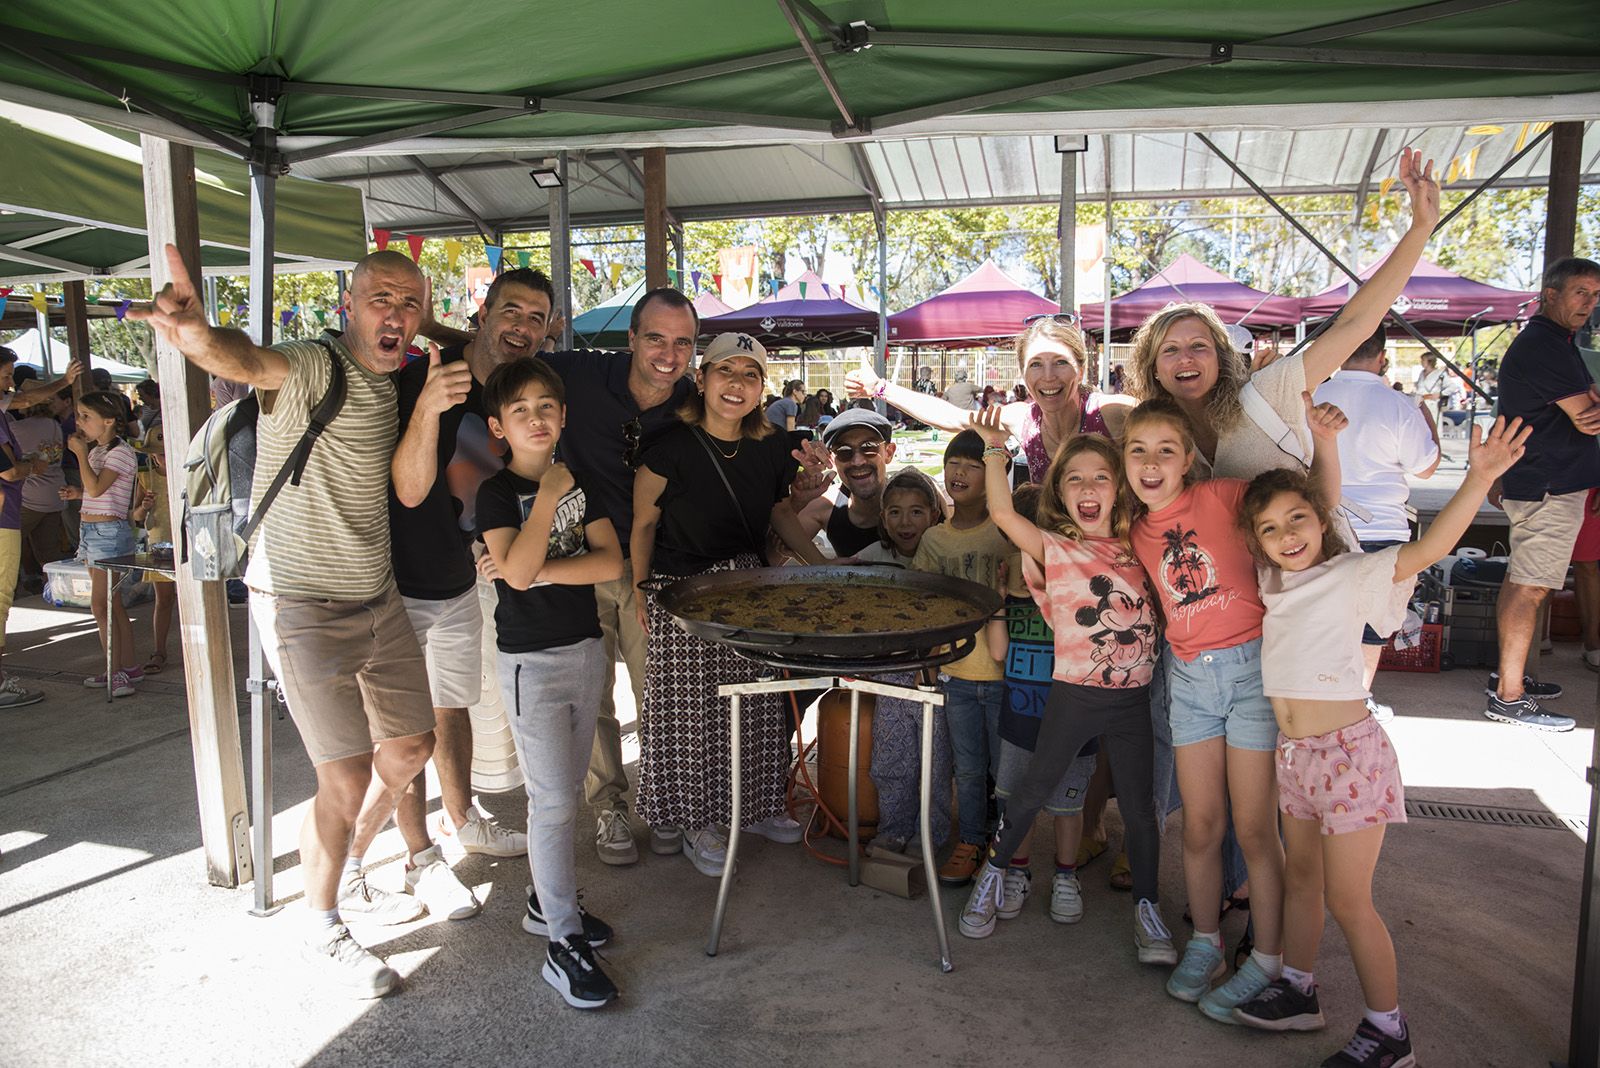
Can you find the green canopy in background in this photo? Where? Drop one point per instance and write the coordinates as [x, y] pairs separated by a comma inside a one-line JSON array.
[[73, 194]]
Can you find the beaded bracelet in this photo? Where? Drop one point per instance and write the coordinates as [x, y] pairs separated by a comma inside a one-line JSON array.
[[996, 450], [880, 389]]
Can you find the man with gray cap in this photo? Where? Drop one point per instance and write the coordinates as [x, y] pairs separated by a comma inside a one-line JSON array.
[[859, 447]]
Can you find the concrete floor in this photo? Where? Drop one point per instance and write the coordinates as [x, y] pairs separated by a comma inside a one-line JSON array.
[[116, 952]]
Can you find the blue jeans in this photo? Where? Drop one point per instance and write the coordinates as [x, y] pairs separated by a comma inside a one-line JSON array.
[[972, 711]]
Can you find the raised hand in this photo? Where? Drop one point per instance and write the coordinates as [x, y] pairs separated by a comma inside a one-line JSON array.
[[558, 480], [1325, 421], [1499, 450], [863, 382], [808, 485], [447, 385], [988, 423], [1422, 187], [176, 314], [553, 329]]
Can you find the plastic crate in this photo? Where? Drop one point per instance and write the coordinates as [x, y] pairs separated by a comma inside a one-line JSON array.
[[1425, 656], [66, 584], [1467, 613]]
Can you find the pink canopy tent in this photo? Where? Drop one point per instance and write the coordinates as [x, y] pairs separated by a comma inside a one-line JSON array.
[[985, 305], [806, 314], [709, 304], [1436, 301], [1186, 280]]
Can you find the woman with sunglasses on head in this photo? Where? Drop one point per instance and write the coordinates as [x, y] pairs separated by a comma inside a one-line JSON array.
[[1051, 356], [705, 494]]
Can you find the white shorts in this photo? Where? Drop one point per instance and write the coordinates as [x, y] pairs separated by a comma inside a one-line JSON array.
[[451, 635]]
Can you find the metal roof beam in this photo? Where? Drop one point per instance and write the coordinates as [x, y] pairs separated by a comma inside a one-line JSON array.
[[39, 259], [691, 74], [680, 114], [46, 238], [835, 32], [451, 195], [1366, 176], [1389, 20], [851, 123], [1203, 50], [1487, 182], [234, 146], [511, 101], [383, 137], [127, 59]]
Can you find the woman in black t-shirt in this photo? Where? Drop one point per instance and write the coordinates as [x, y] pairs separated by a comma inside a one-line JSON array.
[[703, 499]]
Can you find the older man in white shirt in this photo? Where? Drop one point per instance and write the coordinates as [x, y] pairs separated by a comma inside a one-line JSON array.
[[1389, 437]]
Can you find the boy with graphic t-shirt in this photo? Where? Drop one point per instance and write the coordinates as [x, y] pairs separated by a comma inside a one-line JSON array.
[[548, 544]]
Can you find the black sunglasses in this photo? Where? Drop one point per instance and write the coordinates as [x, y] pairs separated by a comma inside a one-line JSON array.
[[1065, 318], [845, 453], [632, 431]]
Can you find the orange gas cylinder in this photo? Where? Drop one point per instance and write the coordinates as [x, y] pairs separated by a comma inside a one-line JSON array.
[[833, 759]]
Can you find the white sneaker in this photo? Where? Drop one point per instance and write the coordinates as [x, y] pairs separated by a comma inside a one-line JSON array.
[[1591, 659], [983, 906], [613, 838], [429, 879], [342, 960], [1381, 712], [360, 898], [480, 834], [1066, 898], [666, 840], [1017, 883], [707, 850], [1150, 935], [780, 829]]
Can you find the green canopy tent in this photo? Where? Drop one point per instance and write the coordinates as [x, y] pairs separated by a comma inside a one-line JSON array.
[[72, 206]]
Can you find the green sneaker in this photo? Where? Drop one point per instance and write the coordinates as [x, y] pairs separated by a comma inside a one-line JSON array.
[[1242, 986], [1201, 966]]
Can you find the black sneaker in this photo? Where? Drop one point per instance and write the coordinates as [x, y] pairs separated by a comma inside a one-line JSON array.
[[1282, 1007], [569, 967], [1525, 712], [596, 931], [1531, 687], [1371, 1048]]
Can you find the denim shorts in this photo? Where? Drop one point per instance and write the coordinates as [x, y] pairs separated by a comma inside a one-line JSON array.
[[1218, 695], [96, 541], [1066, 800]]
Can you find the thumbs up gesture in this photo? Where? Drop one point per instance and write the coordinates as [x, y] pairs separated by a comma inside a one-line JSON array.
[[447, 386], [863, 381]]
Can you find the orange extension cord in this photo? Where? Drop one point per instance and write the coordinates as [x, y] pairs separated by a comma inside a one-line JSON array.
[[802, 790]]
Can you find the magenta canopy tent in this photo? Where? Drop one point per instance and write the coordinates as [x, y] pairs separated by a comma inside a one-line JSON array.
[[808, 313], [708, 304], [1188, 281], [986, 304], [1436, 300]]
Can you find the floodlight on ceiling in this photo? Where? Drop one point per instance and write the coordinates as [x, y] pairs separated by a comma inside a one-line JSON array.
[[545, 177], [1072, 143], [1487, 129]]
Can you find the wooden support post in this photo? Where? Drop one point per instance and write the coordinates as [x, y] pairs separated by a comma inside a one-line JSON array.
[[172, 216], [77, 314], [655, 218], [1561, 210]]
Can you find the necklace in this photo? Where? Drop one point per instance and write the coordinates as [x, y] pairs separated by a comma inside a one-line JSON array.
[[716, 444]]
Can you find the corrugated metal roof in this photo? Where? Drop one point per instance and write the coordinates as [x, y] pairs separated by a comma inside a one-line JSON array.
[[806, 178]]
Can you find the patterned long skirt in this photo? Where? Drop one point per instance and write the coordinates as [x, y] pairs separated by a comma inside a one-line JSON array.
[[684, 730]]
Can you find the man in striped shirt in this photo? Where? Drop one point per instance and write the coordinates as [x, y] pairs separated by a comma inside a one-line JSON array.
[[322, 591]]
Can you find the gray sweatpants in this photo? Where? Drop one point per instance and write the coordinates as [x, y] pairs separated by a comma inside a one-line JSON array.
[[552, 698]]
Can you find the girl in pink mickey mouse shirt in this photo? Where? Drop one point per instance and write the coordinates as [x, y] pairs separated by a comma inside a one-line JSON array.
[[1338, 779]]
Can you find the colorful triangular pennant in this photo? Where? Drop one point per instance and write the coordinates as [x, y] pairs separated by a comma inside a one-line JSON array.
[[588, 265], [494, 252], [415, 242], [381, 239]]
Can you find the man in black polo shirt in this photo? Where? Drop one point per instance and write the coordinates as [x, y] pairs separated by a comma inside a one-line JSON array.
[[444, 453], [617, 402], [1543, 381], [859, 446]]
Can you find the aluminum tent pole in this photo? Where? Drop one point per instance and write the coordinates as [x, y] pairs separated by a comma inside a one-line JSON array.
[[1105, 333], [561, 249], [1066, 288]]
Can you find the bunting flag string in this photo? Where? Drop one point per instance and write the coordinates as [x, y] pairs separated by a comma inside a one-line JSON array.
[[523, 257], [494, 252], [826, 291], [415, 242], [716, 280], [122, 309], [381, 239], [452, 252], [242, 311], [616, 274], [6, 291], [588, 265], [285, 316], [40, 304], [802, 290], [322, 315], [447, 303], [672, 278], [776, 285], [2, 307], [224, 316], [695, 275]]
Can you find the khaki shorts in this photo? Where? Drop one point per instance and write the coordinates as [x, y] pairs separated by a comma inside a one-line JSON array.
[[451, 635], [351, 671], [1542, 536]]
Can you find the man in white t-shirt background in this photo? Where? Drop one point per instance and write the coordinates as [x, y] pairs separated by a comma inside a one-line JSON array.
[[1389, 437]]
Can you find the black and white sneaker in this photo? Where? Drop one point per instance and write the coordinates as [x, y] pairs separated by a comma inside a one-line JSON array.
[[596, 932], [1525, 712], [1531, 687], [1282, 1006], [569, 966], [1371, 1048]]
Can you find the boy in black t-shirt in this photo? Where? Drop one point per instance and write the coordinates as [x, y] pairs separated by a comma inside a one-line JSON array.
[[548, 544]]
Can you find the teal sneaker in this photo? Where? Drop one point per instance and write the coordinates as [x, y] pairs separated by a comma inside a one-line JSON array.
[[1201, 966], [1241, 987]]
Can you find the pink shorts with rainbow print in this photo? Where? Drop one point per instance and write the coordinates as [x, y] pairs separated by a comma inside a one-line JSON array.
[[1346, 780]]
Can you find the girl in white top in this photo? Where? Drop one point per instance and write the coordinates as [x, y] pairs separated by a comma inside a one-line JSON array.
[[911, 504], [1338, 779]]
